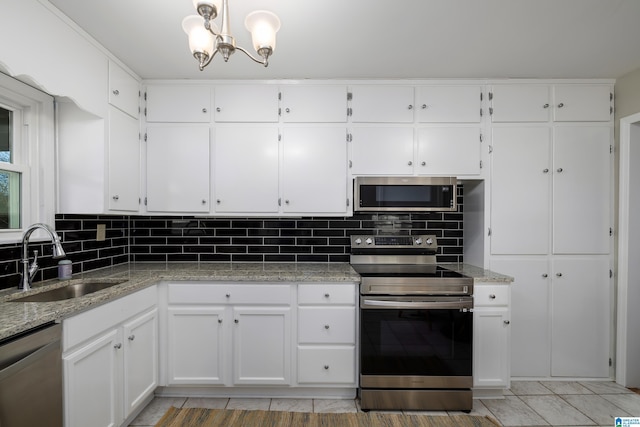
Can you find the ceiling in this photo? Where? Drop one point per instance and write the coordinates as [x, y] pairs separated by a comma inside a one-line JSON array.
[[374, 39]]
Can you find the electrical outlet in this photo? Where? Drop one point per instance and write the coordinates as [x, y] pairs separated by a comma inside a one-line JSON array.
[[101, 232]]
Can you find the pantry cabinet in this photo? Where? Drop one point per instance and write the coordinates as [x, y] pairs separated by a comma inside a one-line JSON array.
[[178, 164], [110, 360]]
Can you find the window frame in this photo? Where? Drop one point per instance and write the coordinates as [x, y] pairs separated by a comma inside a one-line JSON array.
[[33, 153]]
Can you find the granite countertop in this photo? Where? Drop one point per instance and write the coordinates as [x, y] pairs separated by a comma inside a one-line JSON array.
[[17, 317]]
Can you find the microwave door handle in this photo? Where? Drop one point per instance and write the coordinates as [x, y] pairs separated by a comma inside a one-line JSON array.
[[417, 305]]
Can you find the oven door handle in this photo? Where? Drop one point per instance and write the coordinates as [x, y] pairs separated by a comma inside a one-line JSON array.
[[417, 305]]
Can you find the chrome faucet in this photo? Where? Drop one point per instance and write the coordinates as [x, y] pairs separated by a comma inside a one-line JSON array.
[[29, 271]]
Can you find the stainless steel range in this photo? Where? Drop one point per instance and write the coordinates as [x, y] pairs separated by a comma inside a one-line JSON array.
[[416, 326]]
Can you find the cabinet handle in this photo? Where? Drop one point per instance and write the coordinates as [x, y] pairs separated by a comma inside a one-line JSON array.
[[326, 327], [559, 274], [116, 197], [118, 346], [545, 275], [236, 321], [409, 163], [424, 106], [410, 107], [507, 322], [560, 105], [204, 110], [545, 170], [131, 337], [545, 106], [116, 92], [559, 170], [326, 367], [218, 109], [492, 296]]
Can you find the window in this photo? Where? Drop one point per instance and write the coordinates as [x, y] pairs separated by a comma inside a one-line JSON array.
[[27, 190]]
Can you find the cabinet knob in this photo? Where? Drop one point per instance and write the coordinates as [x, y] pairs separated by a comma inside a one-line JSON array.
[[116, 197], [228, 295], [545, 106], [492, 296], [218, 109], [326, 367], [559, 274], [218, 201], [559, 170], [326, 326], [410, 107], [236, 321], [545, 170], [327, 295], [219, 320], [116, 92], [286, 202], [131, 337], [118, 346], [507, 322], [424, 106], [545, 275], [560, 105], [287, 110], [204, 110], [409, 163], [424, 163], [204, 202]]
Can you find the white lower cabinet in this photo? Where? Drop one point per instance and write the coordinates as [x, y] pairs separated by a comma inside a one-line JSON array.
[[491, 334], [110, 360]]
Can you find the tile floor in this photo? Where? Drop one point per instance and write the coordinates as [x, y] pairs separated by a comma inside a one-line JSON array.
[[527, 403]]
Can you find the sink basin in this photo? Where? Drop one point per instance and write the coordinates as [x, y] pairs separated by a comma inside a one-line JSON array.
[[74, 290]]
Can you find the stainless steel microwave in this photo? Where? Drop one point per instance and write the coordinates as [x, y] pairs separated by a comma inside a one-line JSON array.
[[397, 194]]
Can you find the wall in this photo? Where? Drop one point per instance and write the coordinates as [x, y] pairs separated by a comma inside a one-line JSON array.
[[193, 239]]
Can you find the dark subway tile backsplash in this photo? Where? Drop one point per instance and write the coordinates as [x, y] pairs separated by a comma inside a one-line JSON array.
[[194, 239]]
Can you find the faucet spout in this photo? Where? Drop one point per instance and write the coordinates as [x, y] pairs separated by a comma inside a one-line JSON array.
[[29, 271]]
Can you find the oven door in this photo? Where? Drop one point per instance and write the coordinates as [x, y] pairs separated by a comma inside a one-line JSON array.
[[416, 342]]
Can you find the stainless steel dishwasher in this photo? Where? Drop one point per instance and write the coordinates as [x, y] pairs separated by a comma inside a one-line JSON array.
[[31, 378]]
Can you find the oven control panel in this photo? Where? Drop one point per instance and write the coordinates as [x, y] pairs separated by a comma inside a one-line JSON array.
[[394, 242]]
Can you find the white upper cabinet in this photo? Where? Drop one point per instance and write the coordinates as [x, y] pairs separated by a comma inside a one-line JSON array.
[[124, 162], [178, 168], [449, 104], [382, 104], [382, 150], [319, 104], [246, 103], [246, 169], [582, 103], [520, 103], [314, 170], [178, 104], [448, 151], [124, 90]]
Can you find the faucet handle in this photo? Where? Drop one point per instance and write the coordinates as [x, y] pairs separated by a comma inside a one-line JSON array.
[[34, 265]]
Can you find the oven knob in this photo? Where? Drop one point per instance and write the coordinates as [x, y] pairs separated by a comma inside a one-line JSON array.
[[369, 241], [418, 241], [429, 241], [358, 241]]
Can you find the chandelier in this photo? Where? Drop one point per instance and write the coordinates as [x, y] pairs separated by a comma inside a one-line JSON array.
[[205, 39]]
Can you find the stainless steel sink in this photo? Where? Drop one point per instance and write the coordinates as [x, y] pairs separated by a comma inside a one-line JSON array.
[[70, 291]]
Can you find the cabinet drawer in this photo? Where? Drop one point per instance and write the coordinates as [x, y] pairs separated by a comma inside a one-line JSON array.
[[490, 295], [208, 293], [334, 365], [324, 325], [319, 294]]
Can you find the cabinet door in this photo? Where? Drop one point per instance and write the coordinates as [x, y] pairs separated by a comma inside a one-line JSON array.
[[124, 162], [246, 169], [491, 347], [530, 314], [520, 186], [382, 104], [124, 90], [448, 151], [140, 341], [178, 169], [261, 345], [91, 383], [314, 170], [449, 104], [520, 103], [246, 103], [179, 104], [195, 342], [581, 317], [382, 151], [582, 103], [317, 104], [581, 190]]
